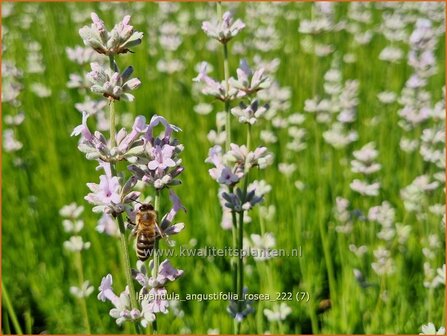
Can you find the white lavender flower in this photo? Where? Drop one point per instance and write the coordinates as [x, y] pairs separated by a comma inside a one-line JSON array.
[[279, 312], [430, 329], [111, 84], [71, 210], [260, 246], [249, 113], [76, 244], [364, 188], [249, 82], [84, 291], [118, 41], [10, 142], [223, 30], [383, 264]]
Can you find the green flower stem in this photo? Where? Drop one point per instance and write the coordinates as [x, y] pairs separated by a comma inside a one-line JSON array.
[[227, 102], [320, 219], [236, 261], [227, 126], [112, 122], [124, 248], [10, 310], [156, 247], [125, 251], [78, 262], [112, 116], [235, 258], [227, 85], [127, 268], [240, 246]]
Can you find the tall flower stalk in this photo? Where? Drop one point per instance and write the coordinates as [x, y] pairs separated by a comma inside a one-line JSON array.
[[152, 159], [232, 166], [72, 224]]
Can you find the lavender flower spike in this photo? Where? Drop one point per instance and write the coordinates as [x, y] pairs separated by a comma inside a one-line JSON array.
[[159, 164], [108, 196], [247, 82], [225, 29], [112, 85], [118, 41]]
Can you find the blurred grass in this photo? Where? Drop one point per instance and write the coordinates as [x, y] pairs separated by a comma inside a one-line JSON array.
[[37, 272]]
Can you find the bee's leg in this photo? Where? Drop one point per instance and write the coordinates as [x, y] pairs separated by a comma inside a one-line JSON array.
[[160, 234], [131, 226]]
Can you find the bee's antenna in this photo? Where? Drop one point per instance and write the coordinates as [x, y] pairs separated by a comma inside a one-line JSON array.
[[137, 201]]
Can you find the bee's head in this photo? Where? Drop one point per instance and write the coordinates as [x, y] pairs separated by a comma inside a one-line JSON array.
[[146, 207]]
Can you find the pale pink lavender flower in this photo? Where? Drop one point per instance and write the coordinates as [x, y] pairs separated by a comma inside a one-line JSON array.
[[159, 164], [211, 87], [153, 287], [391, 54], [268, 136], [109, 196], [121, 311], [430, 329], [76, 244], [279, 312], [223, 30], [82, 292], [246, 160], [111, 84], [158, 302], [440, 275], [297, 143], [287, 169], [364, 188], [383, 264], [203, 108], [260, 187], [359, 251], [71, 210], [414, 194], [72, 225], [260, 246], [14, 120], [343, 216], [166, 272], [222, 172], [107, 225], [339, 136], [249, 113], [10, 142], [118, 41], [364, 162], [383, 214], [387, 97], [41, 90], [11, 90], [95, 146], [249, 82]]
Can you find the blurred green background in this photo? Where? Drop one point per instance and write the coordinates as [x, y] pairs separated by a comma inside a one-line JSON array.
[[49, 172]]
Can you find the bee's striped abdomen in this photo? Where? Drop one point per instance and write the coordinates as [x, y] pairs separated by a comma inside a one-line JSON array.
[[145, 243]]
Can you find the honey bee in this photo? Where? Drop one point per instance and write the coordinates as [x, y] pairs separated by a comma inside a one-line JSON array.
[[146, 230]]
